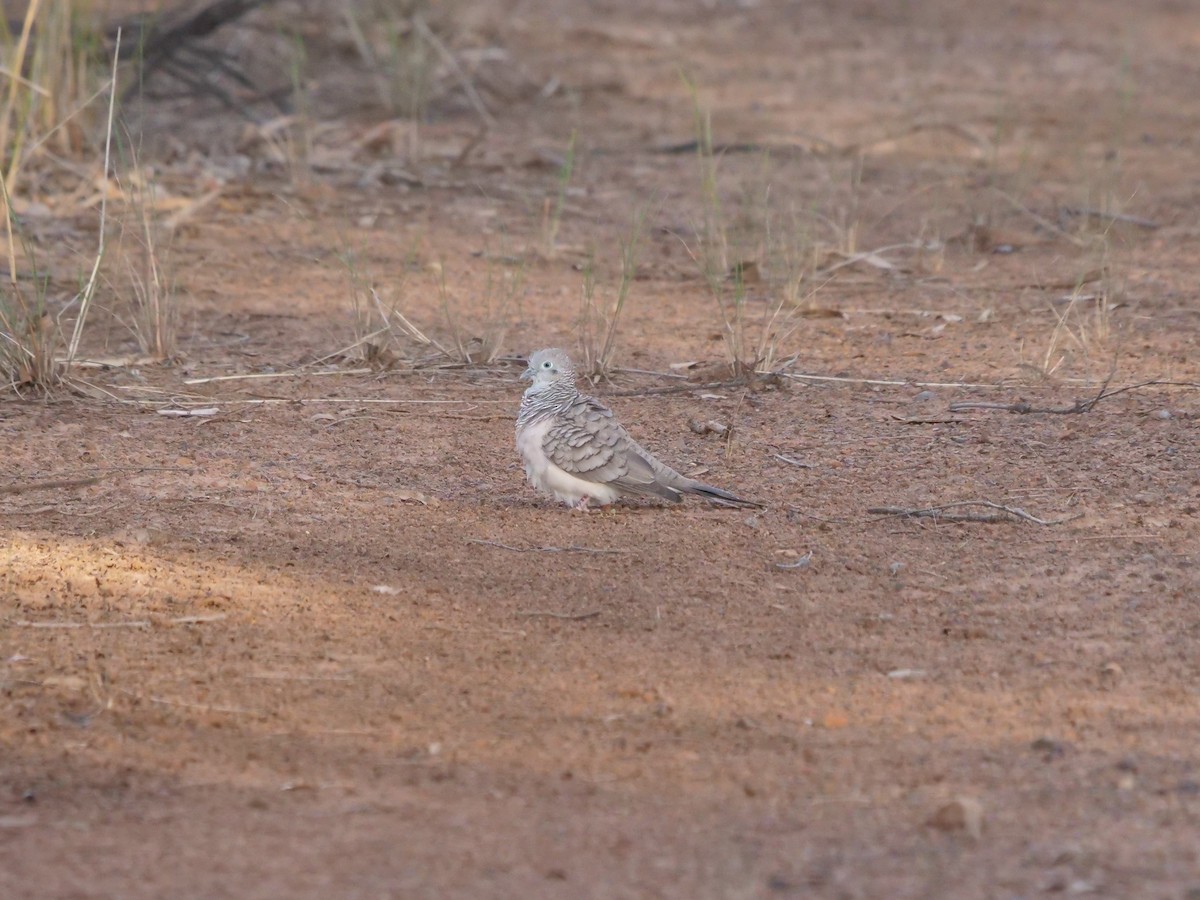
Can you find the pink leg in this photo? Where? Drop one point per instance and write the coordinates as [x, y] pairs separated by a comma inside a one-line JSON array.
[[582, 504]]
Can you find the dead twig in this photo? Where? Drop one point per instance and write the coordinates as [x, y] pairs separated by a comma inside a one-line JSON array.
[[137, 623], [1040, 220], [203, 707], [48, 485], [795, 376], [794, 462], [1024, 407], [571, 617], [297, 374], [939, 512], [199, 620], [572, 549], [476, 101], [681, 388], [1086, 212]]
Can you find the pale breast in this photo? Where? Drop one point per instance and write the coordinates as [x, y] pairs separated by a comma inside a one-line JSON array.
[[548, 478]]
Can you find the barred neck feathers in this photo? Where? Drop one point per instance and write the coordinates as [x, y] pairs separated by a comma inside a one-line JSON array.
[[542, 400]]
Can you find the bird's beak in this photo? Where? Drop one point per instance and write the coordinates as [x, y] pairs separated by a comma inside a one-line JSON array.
[[527, 375]]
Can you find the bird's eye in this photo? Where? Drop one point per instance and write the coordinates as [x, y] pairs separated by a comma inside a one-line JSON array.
[[547, 364]]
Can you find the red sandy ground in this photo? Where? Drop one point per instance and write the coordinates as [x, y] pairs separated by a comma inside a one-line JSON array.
[[363, 674]]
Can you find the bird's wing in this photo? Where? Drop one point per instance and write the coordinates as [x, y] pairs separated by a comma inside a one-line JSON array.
[[587, 442]]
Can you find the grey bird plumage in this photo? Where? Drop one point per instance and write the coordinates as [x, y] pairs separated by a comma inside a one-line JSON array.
[[576, 451]]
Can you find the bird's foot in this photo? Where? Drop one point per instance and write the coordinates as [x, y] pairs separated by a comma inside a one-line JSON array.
[[581, 505]]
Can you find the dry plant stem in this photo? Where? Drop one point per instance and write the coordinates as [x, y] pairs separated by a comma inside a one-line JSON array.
[[48, 485], [939, 512], [679, 389], [570, 617], [18, 63], [260, 375], [444, 52], [89, 290], [1079, 406], [571, 549], [1040, 220], [1087, 212], [134, 623], [406, 326], [922, 384], [794, 462], [137, 623]]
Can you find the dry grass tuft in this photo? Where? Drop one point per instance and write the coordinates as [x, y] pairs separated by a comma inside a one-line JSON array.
[[144, 281], [30, 339], [757, 263], [598, 321], [386, 335]]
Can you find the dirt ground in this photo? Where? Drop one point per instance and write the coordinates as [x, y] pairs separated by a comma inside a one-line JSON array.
[[326, 642]]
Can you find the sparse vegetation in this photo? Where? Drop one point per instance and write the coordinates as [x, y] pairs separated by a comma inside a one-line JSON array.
[[144, 287], [599, 320], [30, 339], [51, 74], [399, 58], [552, 214], [757, 264], [52, 77], [385, 334]]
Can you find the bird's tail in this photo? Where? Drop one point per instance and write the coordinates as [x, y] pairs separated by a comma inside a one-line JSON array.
[[720, 497]]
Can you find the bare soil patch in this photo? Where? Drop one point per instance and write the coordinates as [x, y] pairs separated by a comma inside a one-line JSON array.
[[326, 642]]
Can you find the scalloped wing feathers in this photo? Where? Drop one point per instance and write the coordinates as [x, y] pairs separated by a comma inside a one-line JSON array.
[[586, 441]]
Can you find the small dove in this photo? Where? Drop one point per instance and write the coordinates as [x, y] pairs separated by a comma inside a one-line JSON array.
[[576, 451]]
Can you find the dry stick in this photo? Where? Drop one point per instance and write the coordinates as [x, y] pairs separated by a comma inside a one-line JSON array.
[[296, 374], [794, 462], [921, 384], [681, 388], [626, 371], [89, 289], [1040, 220], [6, 118], [362, 340], [1079, 406], [449, 58], [938, 512], [1111, 216], [299, 401], [570, 617], [48, 485], [137, 623], [572, 549], [204, 707]]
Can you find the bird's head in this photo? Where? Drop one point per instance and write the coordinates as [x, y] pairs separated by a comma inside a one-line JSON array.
[[548, 367]]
